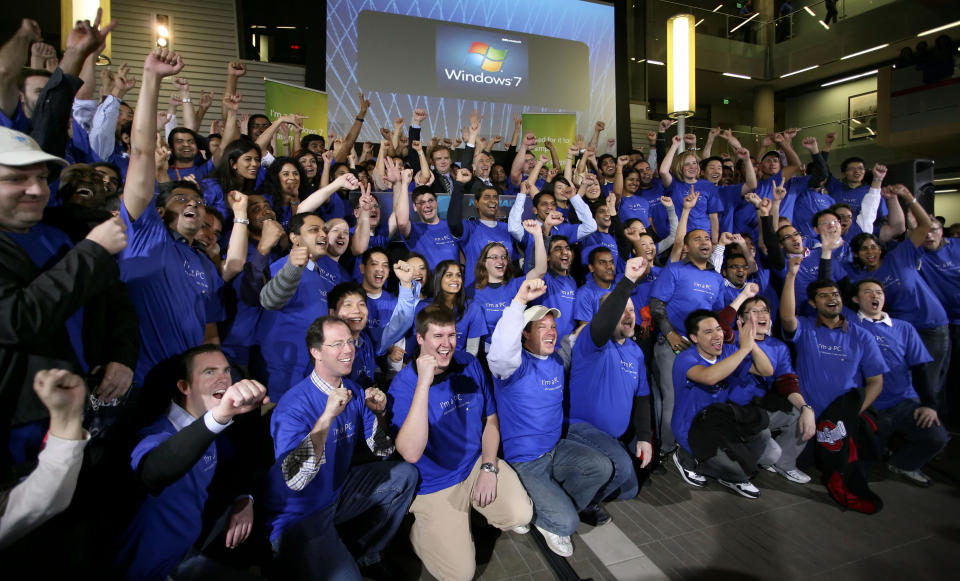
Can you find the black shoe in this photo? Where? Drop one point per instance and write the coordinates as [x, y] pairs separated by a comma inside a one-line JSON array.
[[378, 572], [594, 516]]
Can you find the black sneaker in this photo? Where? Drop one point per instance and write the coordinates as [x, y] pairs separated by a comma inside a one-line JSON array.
[[689, 476], [594, 516]]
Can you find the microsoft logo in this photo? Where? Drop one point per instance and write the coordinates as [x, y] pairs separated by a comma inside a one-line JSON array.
[[486, 57]]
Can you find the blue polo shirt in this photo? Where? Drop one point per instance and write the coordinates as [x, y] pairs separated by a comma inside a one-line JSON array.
[[283, 332], [941, 270], [690, 397], [685, 288], [902, 348], [852, 197], [493, 298], [476, 235], [603, 382], [168, 524], [561, 295], [708, 203], [908, 296], [831, 362], [291, 422], [601, 239], [530, 407], [379, 310], [173, 287], [434, 241], [588, 300], [460, 401], [757, 386]]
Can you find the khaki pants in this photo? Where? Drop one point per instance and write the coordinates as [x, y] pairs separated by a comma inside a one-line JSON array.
[[441, 533]]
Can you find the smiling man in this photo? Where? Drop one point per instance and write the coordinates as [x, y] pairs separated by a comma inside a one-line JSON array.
[[314, 486], [474, 235], [348, 301], [429, 237], [447, 424]]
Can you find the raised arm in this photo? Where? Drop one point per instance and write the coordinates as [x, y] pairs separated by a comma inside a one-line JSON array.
[[785, 140], [237, 247], [610, 312], [714, 374], [539, 250], [598, 128], [788, 300], [318, 198], [923, 219], [708, 144], [516, 169], [138, 188], [13, 57], [401, 202], [666, 178], [351, 137], [360, 240], [689, 201], [190, 120], [506, 348], [412, 437]]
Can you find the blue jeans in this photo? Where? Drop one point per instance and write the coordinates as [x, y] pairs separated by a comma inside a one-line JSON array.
[[563, 482], [373, 501], [623, 483], [919, 444]]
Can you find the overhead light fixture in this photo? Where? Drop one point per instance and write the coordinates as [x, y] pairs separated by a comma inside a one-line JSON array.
[[653, 62], [855, 120], [824, 24], [946, 180], [699, 22], [681, 92], [845, 79], [719, 6], [939, 28], [878, 47], [736, 76], [945, 191], [286, 28], [162, 28], [810, 11], [798, 72], [872, 132], [755, 14]]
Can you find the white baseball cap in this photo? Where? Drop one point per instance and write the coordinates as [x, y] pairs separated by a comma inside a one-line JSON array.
[[538, 312], [18, 149]]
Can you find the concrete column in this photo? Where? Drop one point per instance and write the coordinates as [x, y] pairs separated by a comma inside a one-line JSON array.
[[763, 108]]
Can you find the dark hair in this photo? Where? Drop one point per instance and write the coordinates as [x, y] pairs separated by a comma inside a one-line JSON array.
[[214, 136], [848, 161], [185, 359], [772, 152], [478, 192], [211, 211], [28, 72], [441, 147], [627, 172], [224, 173], [605, 156], [272, 187], [596, 252], [369, 252], [175, 130], [253, 118], [686, 237], [111, 166], [481, 275], [857, 243], [342, 291], [539, 196], [166, 190], [818, 284], [436, 286], [692, 323], [421, 190], [706, 160], [434, 315], [855, 289], [839, 206], [558, 239], [309, 138], [729, 255], [314, 337], [754, 299], [821, 214], [296, 222]]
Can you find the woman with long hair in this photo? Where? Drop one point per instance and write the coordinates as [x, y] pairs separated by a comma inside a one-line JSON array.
[[239, 169], [284, 186], [677, 179]]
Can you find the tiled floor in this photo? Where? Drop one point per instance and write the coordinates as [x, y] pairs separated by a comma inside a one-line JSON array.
[[791, 532]]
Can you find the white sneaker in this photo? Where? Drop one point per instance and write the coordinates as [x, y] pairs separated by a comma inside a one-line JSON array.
[[521, 529], [745, 488], [796, 475], [559, 545]]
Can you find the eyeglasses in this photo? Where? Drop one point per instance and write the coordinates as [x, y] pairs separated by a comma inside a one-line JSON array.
[[829, 223], [339, 345], [794, 235], [763, 311], [498, 257], [187, 199]]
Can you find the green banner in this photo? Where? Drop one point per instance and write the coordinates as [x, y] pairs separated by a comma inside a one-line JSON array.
[[283, 99], [560, 128]]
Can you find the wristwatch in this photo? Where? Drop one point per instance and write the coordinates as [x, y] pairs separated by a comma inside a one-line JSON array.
[[489, 467]]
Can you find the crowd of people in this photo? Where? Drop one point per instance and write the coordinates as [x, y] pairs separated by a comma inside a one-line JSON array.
[[223, 358]]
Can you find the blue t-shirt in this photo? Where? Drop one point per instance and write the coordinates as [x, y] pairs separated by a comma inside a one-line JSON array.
[[685, 288], [476, 235], [470, 325], [708, 203], [745, 215], [941, 270], [283, 332], [690, 397], [731, 199], [757, 386], [561, 295], [603, 382], [907, 295], [168, 524], [658, 212], [459, 403], [18, 122], [291, 422], [567, 230], [378, 315], [808, 203], [530, 407], [493, 298], [643, 288], [199, 170], [809, 272], [634, 206], [213, 196], [173, 287], [601, 239], [902, 348], [831, 362], [588, 300], [364, 361], [852, 197], [434, 241]]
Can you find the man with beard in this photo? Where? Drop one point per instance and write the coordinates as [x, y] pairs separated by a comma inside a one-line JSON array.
[[561, 476], [681, 288], [185, 159], [609, 395], [172, 284]]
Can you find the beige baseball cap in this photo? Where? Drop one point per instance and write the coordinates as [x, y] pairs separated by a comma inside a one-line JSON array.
[[538, 312], [18, 149]]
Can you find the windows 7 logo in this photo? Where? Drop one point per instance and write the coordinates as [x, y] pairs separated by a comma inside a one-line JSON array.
[[486, 57]]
